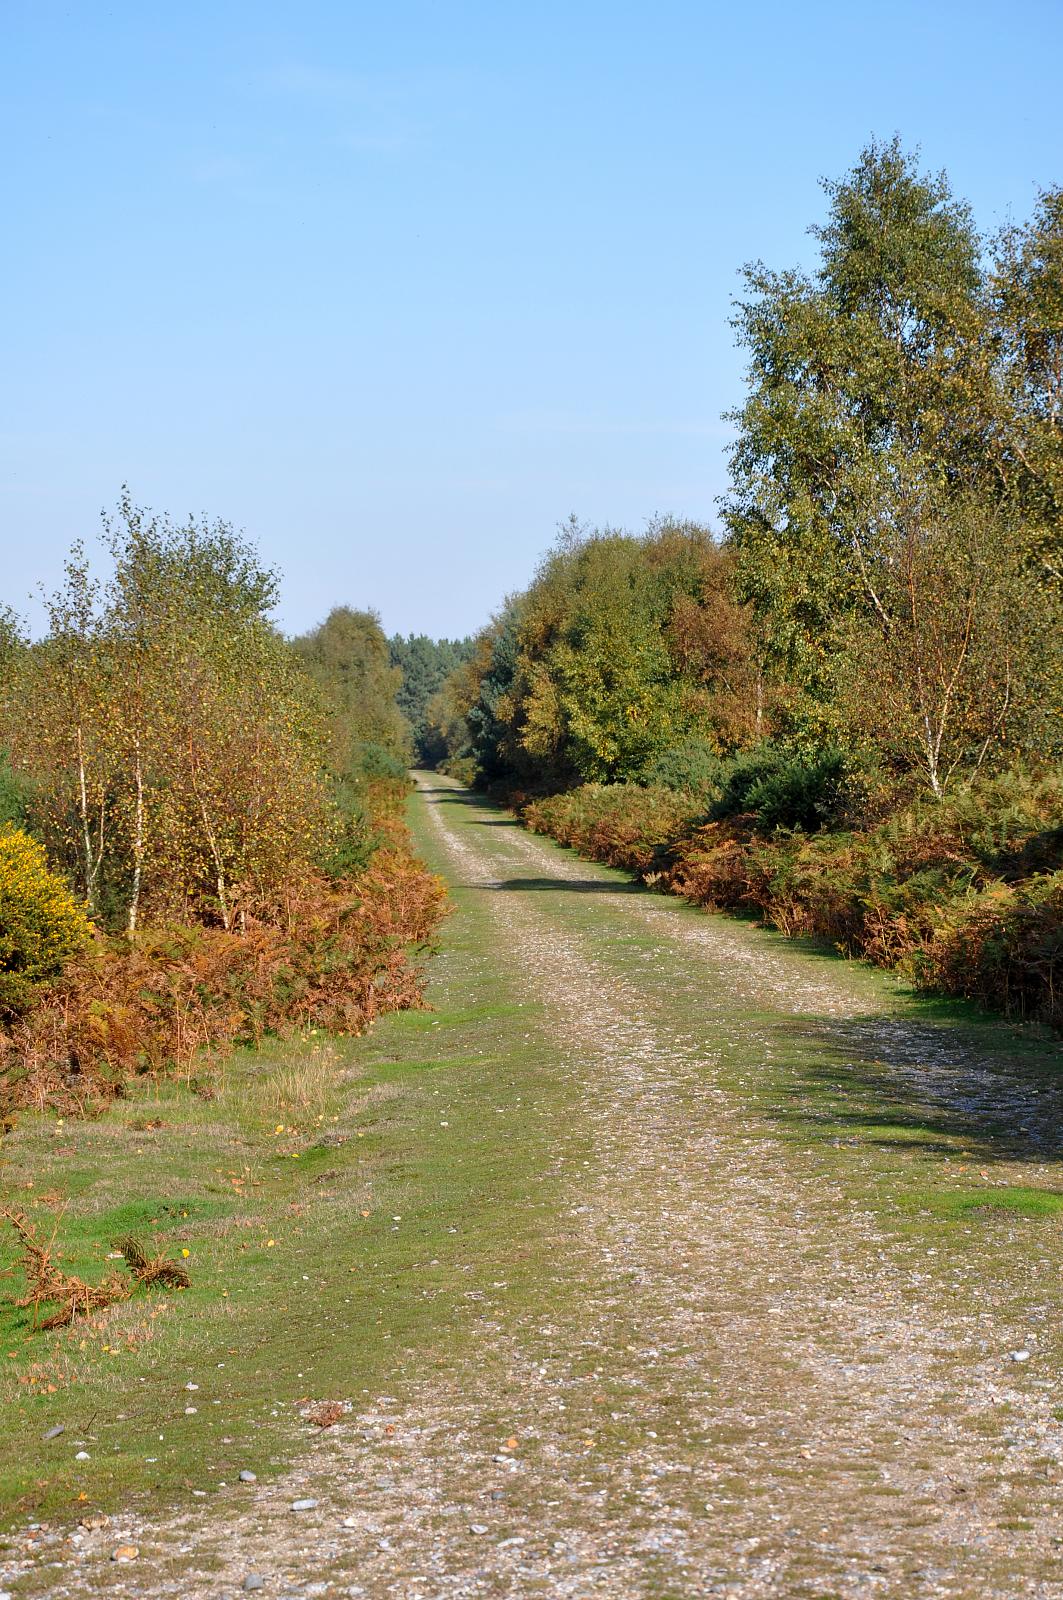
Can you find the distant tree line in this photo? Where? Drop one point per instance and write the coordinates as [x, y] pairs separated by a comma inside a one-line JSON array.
[[425, 664]]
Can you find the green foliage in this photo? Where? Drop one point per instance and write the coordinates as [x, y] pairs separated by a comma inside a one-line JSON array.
[[622, 649], [41, 924], [897, 508], [173, 751], [348, 657], [785, 790], [374, 761], [15, 794], [694, 769], [425, 665]]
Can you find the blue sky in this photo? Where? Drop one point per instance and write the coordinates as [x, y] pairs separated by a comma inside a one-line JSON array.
[[397, 287]]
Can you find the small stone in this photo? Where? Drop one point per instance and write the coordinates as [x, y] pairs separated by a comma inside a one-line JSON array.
[[477, 1527], [125, 1552], [1019, 1355], [349, 1522], [190, 1411], [304, 1505], [191, 1386], [53, 1433], [248, 1477], [254, 1580], [82, 1455], [498, 1494]]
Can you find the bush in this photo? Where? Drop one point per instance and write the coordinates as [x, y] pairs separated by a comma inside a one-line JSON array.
[[785, 790], [624, 824], [14, 794], [374, 761], [694, 769], [1003, 947], [41, 924], [341, 954]]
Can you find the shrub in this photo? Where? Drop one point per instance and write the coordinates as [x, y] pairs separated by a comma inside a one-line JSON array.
[[14, 794], [1003, 947], [963, 896], [625, 824], [340, 955], [694, 769], [374, 761], [41, 924], [785, 790]]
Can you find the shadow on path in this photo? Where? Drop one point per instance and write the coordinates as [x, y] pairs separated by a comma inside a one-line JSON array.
[[900, 1083]]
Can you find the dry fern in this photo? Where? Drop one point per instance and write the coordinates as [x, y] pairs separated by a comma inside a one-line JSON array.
[[48, 1284]]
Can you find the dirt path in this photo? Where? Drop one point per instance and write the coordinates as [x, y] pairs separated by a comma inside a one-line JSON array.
[[797, 1236]]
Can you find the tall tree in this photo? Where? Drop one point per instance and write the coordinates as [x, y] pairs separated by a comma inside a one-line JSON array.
[[871, 393]]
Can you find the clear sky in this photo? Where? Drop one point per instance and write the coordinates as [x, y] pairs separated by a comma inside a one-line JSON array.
[[396, 287]]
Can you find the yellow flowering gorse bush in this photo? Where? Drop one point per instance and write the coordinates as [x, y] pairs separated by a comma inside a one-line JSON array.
[[41, 923]]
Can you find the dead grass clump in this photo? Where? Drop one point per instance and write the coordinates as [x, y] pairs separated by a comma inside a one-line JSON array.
[[324, 1413], [151, 1269]]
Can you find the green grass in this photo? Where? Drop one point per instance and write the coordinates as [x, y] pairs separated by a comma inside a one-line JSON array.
[[958, 1205]]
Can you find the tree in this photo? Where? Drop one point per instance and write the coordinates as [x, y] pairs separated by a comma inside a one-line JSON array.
[[959, 662], [871, 391], [174, 743], [347, 656], [425, 665], [1027, 289]]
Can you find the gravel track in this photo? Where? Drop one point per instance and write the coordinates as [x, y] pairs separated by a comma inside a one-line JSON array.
[[753, 1387]]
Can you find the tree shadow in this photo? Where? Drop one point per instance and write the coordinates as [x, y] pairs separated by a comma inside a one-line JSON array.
[[561, 885], [919, 1084]]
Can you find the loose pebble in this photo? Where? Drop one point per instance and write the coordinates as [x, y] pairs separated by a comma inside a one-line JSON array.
[[53, 1433], [82, 1455], [254, 1580], [1019, 1355], [248, 1477], [477, 1527], [304, 1505]]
